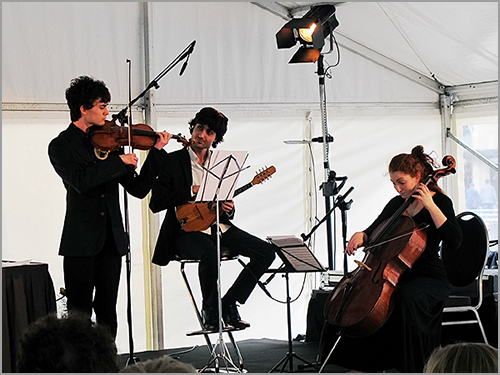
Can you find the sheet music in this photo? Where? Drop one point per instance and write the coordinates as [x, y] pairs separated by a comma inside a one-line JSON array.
[[295, 254], [219, 161], [285, 241]]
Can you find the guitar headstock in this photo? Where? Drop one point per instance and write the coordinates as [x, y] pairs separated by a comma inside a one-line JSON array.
[[264, 175]]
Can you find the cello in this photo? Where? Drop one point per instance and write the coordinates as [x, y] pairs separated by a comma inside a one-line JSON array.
[[361, 302]]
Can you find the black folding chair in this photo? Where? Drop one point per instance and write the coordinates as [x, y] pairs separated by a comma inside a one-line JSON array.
[[465, 267]]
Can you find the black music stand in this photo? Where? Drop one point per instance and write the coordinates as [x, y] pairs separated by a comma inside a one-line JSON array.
[[296, 257], [219, 180]]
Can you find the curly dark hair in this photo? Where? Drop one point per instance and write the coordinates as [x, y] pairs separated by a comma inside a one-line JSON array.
[[69, 344], [212, 118], [415, 163], [84, 91]]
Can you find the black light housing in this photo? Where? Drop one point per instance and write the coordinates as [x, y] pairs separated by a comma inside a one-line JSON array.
[[310, 30]]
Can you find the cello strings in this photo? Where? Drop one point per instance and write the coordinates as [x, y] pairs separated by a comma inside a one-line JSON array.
[[421, 227]]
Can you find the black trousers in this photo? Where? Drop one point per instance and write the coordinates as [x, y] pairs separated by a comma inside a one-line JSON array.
[[92, 283], [203, 247]]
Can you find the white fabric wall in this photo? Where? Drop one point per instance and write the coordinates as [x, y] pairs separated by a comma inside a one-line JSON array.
[[33, 205], [373, 114]]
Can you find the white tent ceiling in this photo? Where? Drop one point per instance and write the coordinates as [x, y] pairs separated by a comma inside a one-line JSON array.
[[453, 43], [441, 46]]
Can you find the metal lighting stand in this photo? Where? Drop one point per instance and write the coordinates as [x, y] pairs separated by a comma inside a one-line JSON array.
[[328, 186], [326, 162]]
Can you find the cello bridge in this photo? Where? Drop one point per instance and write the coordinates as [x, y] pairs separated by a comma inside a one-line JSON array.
[[362, 265]]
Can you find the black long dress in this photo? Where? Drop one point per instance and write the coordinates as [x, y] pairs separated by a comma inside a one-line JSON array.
[[413, 330]]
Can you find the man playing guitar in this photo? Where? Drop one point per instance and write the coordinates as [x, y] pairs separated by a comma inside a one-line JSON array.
[[177, 185]]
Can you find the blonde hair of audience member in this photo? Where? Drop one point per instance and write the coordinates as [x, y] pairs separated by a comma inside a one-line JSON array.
[[463, 357], [159, 365]]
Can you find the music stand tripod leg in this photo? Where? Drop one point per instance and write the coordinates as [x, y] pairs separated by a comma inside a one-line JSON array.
[[221, 345], [288, 358]]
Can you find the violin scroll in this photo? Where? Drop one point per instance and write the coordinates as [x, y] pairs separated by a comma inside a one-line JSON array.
[[181, 139]]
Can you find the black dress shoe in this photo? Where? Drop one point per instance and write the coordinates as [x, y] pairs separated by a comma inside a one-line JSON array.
[[232, 318], [210, 319]]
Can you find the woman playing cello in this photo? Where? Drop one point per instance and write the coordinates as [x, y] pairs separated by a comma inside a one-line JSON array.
[[413, 329]]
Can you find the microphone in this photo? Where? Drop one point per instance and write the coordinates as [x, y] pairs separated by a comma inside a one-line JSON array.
[[184, 66], [188, 53], [264, 289], [329, 139], [273, 274], [269, 279]]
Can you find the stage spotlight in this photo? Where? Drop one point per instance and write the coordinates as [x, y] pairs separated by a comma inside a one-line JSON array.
[[310, 30]]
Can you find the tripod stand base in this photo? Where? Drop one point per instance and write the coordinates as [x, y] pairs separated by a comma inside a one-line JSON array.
[[221, 359], [217, 368], [131, 361], [288, 359]]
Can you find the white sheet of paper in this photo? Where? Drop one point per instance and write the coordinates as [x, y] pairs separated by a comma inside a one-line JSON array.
[[224, 165]]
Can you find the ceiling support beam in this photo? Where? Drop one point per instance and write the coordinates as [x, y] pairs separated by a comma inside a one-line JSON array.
[[389, 63]]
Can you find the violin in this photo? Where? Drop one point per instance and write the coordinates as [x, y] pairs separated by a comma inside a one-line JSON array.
[[111, 137], [361, 302]]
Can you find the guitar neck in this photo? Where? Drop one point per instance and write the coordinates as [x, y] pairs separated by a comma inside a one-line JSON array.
[[242, 189]]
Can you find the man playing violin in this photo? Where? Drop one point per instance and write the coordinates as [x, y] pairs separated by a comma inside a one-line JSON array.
[[178, 184], [413, 329], [93, 238]]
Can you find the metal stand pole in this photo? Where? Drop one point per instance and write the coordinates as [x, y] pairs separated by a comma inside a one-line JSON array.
[[327, 192], [220, 350], [131, 359], [288, 358]]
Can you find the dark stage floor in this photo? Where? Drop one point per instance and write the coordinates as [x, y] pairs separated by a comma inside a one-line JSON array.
[[259, 355]]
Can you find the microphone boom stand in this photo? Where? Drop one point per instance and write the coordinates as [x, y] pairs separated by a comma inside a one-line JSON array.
[[154, 83], [343, 206], [122, 117], [340, 201]]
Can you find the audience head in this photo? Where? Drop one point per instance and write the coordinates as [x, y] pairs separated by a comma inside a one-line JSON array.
[[463, 357], [159, 365], [72, 343]]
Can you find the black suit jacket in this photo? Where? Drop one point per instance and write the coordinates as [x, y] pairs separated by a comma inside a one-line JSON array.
[[92, 194], [170, 190]]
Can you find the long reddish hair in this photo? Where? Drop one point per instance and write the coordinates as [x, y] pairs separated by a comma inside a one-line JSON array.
[[415, 163]]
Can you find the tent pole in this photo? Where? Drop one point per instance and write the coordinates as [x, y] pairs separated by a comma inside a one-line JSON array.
[[153, 277]]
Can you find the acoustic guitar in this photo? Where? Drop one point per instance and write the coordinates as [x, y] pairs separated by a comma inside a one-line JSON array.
[[200, 216]]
